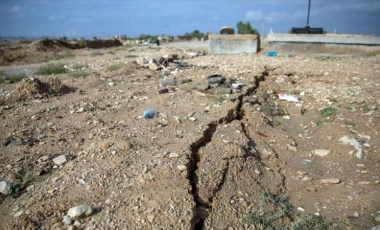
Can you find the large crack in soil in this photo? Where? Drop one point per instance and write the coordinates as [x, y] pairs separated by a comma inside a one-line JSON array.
[[202, 209]]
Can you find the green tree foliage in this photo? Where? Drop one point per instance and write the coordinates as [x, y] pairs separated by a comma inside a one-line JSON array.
[[195, 34], [246, 28]]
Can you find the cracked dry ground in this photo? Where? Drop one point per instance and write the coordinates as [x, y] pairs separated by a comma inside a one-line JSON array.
[[240, 161]]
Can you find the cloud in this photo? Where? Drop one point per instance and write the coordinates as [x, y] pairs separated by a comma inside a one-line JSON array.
[[55, 18], [16, 9], [278, 16], [254, 15], [80, 20]]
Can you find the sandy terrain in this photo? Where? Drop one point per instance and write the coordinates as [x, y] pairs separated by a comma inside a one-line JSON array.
[[227, 155]]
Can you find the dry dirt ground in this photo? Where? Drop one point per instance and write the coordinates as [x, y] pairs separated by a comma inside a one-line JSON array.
[[212, 157]]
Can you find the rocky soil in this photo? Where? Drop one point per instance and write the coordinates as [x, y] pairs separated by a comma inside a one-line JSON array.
[[231, 142]]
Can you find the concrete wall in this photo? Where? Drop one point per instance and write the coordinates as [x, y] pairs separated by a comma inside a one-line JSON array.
[[325, 38], [324, 44], [233, 44]]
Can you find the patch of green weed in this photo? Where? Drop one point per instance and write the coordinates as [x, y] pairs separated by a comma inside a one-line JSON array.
[[276, 213], [97, 53], [219, 100], [333, 99], [51, 69], [114, 67], [328, 111], [308, 221], [13, 78], [80, 66]]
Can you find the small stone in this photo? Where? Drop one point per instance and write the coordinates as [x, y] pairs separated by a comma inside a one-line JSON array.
[[356, 214], [18, 213], [80, 211], [321, 152], [192, 118], [153, 66], [202, 87], [151, 218], [66, 220], [223, 90], [5, 187], [292, 148], [173, 155], [168, 82], [44, 158], [60, 160], [182, 167], [300, 209], [81, 110], [215, 79], [377, 216], [331, 180]]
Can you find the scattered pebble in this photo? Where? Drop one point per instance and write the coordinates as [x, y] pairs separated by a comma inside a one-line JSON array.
[[300, 209], [60, 160], [377, 216], [66, 220], [321, 152], [80, 211], [331, 180], [173, 155], [182, 167], [5, 187]]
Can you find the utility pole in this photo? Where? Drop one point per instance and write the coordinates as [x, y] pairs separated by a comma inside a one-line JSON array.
[[262, 26], [308, 14]]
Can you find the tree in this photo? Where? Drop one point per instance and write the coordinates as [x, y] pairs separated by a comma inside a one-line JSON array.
[[246, 28]]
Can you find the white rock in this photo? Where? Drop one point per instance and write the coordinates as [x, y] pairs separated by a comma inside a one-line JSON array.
[[346, 140], [182, 167], [80, 211], [153, 66], [331, 180], [300, 209], [59, 160], [18, 213], [321, 152], [5, 187], [356, 214], [173, 155], [377, 216], [81, 110], [66, 220]]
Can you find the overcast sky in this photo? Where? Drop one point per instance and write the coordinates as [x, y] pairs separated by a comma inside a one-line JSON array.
[[134, 17]]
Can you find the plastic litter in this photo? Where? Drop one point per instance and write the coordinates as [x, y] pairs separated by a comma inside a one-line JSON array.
[[271, 54], [288, 97], [150, 113]]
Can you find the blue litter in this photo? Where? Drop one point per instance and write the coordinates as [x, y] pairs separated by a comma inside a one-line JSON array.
[[271, 54], [150, 113]]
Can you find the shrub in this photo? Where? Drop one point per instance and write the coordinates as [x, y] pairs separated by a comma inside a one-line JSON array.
[[51, 69]]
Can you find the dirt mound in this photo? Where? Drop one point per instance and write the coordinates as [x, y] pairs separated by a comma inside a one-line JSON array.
[[34, 88], [46, 45], [98, 44]]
